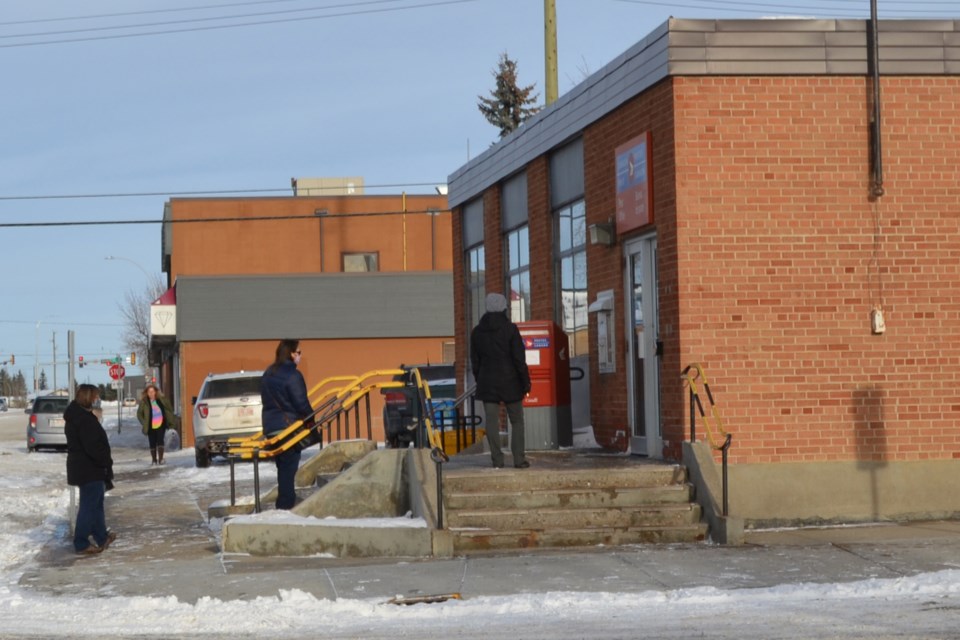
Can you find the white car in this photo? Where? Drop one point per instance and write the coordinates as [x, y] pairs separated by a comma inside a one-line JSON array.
[[228, 406]]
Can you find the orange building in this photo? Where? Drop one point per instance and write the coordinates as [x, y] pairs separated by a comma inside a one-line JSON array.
[[365, 282]]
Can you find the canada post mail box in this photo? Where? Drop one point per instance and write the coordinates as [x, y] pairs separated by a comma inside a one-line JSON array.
[[546, 410]]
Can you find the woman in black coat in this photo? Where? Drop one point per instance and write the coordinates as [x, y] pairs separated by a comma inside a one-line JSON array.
[[89, 467], [499, 365]]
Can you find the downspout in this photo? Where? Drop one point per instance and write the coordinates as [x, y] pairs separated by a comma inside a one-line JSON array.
[[876, 189]]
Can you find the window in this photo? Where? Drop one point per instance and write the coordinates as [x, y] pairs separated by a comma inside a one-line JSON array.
[[572, 274], [476, 284], [517, 254], [359, 262]]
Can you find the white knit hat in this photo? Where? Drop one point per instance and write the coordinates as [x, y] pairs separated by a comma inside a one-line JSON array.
[[496, 302]]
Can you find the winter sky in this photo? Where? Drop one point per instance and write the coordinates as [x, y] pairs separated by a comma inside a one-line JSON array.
[[129, 102]]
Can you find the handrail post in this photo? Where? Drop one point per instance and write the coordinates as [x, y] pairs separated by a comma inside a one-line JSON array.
[[233, 483], [439, 494], [438, 458], [256, 480], [693, 415], [356, 420], [369, 419], [726, 500]]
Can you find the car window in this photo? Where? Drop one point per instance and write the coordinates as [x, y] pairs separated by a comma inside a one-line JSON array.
[[232, 387], [51, 405]]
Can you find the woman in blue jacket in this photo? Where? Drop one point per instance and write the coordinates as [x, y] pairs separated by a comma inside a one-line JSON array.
[[283, 393]]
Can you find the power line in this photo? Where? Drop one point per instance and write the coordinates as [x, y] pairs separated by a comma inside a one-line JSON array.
[[198, 20], [143, 12], [311, 216], [55, 323], [233, 26]]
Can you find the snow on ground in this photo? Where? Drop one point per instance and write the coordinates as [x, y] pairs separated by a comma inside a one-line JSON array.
[[34, 503]]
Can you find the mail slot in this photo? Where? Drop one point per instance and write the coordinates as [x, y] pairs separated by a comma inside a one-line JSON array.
[[546, 410]]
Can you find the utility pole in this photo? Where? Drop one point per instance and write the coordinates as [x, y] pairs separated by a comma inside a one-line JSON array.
[[550, 49]]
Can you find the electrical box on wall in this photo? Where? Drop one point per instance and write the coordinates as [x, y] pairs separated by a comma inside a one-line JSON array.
[[606, 335], [877, 324]]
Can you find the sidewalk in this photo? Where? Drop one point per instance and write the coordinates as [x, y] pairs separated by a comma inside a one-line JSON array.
[[166, 547]]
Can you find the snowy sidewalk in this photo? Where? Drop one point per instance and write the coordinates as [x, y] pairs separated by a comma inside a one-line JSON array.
[[167, 548]]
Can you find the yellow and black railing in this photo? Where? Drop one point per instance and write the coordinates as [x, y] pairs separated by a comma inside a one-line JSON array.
[[694, 377], [335, 401]]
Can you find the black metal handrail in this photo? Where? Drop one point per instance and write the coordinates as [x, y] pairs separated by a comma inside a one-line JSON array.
[[690, 375]]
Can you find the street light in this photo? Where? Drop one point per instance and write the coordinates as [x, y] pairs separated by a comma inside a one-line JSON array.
[[133, 262]]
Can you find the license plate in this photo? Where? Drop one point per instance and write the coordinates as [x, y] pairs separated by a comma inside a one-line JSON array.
[[245, 411], [56, 422]]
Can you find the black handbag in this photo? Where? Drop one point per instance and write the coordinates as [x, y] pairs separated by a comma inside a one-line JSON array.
[[313, 436]]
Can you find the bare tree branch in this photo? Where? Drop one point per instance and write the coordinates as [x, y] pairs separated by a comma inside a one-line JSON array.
[[135, 311]]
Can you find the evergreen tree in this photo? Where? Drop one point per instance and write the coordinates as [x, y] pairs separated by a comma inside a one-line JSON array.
[[42, 381], [19, 386], [508, 104]]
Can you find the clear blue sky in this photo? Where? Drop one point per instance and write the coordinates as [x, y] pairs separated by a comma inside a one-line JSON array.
[[382, 89]]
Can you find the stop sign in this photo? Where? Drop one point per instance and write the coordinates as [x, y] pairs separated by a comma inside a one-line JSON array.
[[117, 371]]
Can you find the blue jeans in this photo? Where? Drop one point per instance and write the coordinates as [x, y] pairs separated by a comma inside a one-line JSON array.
[[287, 464], [91, 520]]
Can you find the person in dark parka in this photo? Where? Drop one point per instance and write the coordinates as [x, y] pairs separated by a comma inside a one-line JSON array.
[[499, 365], [283, 393], [90, 468]]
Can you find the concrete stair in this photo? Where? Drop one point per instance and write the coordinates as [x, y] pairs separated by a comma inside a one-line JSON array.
[[494, 510]]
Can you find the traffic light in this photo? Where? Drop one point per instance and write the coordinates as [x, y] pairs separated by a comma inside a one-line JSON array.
[[133, 358], [80, 358]]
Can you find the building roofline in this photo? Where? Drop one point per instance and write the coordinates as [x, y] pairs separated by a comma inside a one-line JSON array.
[[689, 47]]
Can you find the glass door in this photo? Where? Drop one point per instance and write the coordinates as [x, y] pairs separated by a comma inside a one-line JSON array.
[[643, 370]]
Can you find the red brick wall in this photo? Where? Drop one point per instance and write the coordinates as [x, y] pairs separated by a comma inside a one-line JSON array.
[[653, 111], [542, 298], [285, 236], [781, 255], [460, 330], [492, 241]]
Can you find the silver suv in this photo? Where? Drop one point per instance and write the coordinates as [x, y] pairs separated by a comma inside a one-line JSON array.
[[45, 426], [228, 406]]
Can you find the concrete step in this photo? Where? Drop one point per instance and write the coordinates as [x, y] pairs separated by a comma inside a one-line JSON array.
[[498, 480], [466, 541], [577, 498], [673, 515]]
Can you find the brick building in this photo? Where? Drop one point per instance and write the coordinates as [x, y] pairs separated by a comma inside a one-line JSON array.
[[708, 197], [363, 281]]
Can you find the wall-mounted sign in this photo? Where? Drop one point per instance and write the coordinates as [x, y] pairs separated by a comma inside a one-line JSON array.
[[634, 183]]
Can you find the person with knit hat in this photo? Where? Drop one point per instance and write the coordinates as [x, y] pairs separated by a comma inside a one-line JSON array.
[[499, 365]]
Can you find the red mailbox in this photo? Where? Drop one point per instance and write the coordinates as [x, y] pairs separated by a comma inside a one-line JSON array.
[[547, 409]]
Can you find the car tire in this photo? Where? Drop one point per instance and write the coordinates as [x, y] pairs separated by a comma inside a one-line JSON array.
[[203, 458]]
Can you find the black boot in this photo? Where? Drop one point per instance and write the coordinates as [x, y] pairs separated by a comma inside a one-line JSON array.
[[153, 456], [159, 455]]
